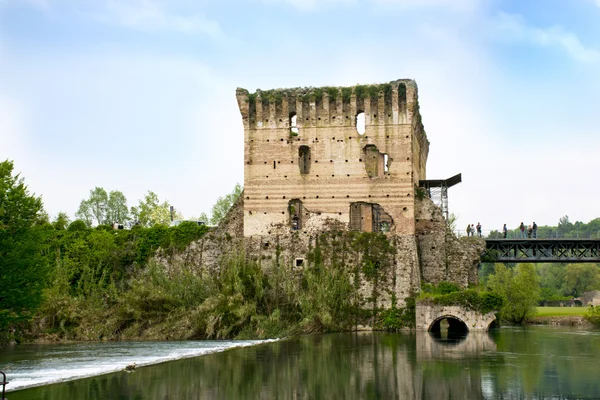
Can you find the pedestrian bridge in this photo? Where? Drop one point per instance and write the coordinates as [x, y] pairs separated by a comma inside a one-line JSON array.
[[541, 250]]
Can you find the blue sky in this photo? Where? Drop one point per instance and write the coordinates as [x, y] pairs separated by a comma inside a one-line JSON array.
[[138, 95]]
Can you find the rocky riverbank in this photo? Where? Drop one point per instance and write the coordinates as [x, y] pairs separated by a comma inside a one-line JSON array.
[[565, 320]]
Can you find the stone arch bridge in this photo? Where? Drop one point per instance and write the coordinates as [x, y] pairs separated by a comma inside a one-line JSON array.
[[429, 317]]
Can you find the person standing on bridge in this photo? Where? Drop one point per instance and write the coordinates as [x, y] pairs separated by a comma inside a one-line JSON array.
[[504, 231], [534, 230], [522, 228], [479, 229]]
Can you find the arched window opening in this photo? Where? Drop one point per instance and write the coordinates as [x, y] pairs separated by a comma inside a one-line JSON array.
[[295, 212], [386, 164], [293, 124], [360, 123], [304, 159], [449, 330]]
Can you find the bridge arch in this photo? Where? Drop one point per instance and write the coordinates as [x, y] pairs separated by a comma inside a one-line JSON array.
[[449, 322], [430, 316]]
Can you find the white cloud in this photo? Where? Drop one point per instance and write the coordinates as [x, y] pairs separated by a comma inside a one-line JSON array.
[[43, 5], [306, 5], [13, 129], [516, 28], [452, 4], [153, 15]]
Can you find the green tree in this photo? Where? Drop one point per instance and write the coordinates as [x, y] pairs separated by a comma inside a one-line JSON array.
[[202, 217], [117, 210], [93, 210], [22, 268], [84, 213], [61, 221], [519, 289], [98, 204], [151, 211], [580, 278], [224, 203]]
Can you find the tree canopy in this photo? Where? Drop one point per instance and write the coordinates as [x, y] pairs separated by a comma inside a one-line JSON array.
[[102, 208], [519, 289], [222, 206], [151, 211], [22, 269]]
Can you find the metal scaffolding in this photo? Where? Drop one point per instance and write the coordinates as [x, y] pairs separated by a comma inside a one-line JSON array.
[[437, 191]]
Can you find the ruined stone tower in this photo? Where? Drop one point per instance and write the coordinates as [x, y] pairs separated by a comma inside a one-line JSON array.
[[308, 159], [324, 169]]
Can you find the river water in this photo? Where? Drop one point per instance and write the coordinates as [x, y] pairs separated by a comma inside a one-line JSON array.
[[509, 363]]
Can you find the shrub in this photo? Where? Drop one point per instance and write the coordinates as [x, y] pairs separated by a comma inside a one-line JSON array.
[[593, 315], [483, 302], [77, 225], [395, 319]]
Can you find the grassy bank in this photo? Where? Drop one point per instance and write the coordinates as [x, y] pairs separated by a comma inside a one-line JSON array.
[[561, 311]]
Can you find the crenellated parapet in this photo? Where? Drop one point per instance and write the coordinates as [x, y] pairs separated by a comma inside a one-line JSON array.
[[390, 103]]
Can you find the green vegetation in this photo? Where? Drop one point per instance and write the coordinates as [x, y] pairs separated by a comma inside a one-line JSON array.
[[560, 311], [99, 291], [420, 193], [346, 94], [333, 93], [519, 289], [370, 91], [450, 294], [397, 319], [316, 94], [102, 208], [593, 315], [558, 282], [22, 267]]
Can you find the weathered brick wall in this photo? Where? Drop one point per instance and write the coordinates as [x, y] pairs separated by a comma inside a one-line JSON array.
[[326, 123]]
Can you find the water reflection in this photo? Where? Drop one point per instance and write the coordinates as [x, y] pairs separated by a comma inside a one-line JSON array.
[[535, 364], [466, 345]]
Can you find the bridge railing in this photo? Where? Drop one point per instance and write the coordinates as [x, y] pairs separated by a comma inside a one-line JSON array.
[[495, 234]]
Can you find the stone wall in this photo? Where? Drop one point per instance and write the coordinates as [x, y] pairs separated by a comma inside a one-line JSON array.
[[427, 314], [443, 256]]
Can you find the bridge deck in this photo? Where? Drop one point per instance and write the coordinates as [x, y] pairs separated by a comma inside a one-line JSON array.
[[542, 250]]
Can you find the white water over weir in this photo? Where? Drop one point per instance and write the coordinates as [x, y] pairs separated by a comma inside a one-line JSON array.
[[37, 365]]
